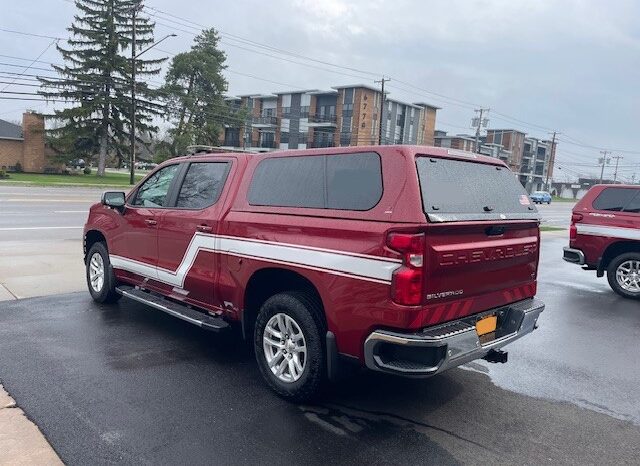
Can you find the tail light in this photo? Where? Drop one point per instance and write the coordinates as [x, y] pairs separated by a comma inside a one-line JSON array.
[[407, 280], [573, 230]]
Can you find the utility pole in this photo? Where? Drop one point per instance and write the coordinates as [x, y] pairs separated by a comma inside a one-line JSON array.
[[477, 123], [615, 173], [132, 136], [604, 159], [633, 179], [381, 82], [551, 159]]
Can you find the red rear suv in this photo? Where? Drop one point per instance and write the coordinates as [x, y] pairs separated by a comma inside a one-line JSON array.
[[605, 236], [407, 260]]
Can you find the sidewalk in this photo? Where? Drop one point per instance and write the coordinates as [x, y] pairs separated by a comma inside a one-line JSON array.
[[21, 443], [29, 269]]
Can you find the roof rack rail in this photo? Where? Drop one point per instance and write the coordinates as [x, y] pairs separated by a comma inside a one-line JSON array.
[[202, 149]]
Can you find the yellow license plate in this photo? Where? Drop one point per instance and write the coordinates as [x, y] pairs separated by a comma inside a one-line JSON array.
[[486, 325]]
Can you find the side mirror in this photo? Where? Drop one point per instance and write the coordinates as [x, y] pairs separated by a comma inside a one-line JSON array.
[[114, 199]]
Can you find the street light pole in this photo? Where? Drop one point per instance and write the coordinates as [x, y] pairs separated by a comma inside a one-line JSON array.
[[134, 56], [132, 136]]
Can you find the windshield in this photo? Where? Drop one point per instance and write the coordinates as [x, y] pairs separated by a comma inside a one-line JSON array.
[[456, 190], [539, 193]]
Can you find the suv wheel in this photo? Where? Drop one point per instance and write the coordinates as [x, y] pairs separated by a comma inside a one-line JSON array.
[[288, 342], [623, 274], [100, 278]]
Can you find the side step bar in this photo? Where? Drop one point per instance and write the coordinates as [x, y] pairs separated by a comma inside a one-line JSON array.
[[202, 320]]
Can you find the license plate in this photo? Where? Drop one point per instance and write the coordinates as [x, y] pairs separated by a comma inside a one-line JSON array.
[[486, 325]]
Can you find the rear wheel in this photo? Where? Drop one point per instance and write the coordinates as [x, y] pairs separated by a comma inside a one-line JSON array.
[[623, 275], [100, 278], [288, 342]]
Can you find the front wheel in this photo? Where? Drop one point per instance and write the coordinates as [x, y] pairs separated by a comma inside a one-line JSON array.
[[289, 347], [623, 275], [100, 278]]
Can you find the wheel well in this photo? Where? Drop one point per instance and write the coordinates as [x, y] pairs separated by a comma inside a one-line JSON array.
[[615, 250], [92, 237], [265, 283]]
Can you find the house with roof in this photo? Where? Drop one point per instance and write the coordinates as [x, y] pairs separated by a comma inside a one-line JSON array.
[[23, 146]]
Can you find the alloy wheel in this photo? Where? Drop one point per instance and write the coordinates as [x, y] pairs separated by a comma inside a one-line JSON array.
[[628, 276], [96, 272], [284, 347]]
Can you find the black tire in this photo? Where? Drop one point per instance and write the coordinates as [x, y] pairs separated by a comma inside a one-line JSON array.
[[307, 313], [107, 293], [611, 274]]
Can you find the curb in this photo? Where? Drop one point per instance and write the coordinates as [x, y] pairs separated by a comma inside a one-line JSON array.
[[21, 442]]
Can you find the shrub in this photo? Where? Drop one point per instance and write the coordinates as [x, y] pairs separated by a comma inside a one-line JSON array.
[[18, 167], [3, 173], [87, 170]]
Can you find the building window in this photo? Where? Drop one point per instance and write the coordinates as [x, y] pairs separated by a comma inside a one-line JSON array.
[[348, 96], [346, 124], [284, 137]]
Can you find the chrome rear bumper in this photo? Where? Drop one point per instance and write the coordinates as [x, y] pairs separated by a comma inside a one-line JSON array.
[[436, 349]]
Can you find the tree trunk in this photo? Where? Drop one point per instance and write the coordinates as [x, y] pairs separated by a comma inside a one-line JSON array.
[[184, 106], [102, 158]]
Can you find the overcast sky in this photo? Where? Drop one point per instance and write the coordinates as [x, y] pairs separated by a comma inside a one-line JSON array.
[[570, 65]]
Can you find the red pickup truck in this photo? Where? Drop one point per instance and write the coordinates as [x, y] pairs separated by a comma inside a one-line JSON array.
[[605, 236], [407, 260]]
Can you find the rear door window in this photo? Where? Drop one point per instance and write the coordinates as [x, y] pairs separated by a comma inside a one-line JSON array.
[[202, 185], [459, 190], [614, 199]]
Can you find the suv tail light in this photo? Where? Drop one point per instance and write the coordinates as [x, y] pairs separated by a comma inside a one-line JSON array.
[[573, 230], [407, 280]]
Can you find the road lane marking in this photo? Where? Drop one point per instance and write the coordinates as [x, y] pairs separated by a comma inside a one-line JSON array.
[[77, 201], [70, 211], [39, 228]]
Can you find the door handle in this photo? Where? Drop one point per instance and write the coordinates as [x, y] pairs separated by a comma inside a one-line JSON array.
[[204, 228], [151, 222]]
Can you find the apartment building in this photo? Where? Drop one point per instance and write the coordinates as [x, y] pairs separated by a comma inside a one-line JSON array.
[[342, 116], [512, 141], [458, 141], [538, 158], [530, 158]]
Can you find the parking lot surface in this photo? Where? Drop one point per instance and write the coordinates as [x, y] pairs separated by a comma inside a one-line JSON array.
[[128, 384]]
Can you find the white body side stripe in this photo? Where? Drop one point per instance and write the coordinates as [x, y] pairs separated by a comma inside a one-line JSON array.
[[612, 232], [364, 267]]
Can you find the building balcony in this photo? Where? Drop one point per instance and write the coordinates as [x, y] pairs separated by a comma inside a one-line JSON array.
[[316, 120], [320, 144], [267, 145], [264, 122], [231, 143]]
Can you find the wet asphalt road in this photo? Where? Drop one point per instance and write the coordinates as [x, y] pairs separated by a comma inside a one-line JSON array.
[[131, 385]]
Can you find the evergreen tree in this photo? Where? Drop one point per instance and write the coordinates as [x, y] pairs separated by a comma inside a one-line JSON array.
[[96, 77], [194, 91]]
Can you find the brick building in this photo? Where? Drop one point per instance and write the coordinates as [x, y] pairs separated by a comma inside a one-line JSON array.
[[23, 144], [342, 116]]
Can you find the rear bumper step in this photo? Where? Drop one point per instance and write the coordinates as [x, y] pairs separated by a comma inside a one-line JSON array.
[[449, 345], [214, 324], [575, 256]]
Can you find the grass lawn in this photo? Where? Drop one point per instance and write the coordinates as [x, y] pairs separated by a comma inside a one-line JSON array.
[[563, 199], [548, 228], [109, 179]]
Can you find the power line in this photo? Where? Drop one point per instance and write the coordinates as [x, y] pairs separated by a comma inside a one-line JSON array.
[[31, 34], [55, 41]]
